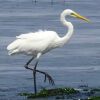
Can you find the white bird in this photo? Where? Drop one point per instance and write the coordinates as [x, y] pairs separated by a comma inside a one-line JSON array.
[[41, 42]]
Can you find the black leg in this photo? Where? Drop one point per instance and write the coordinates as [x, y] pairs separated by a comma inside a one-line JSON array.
[[34, 70], [34, 75], [26, 65], [47, 76], [35, 87]]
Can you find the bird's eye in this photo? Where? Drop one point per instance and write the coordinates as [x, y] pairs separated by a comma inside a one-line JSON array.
[[72, 13]]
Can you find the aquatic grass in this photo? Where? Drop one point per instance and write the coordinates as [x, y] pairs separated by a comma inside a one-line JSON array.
[[50, 92], [94, 98], [96, 90]]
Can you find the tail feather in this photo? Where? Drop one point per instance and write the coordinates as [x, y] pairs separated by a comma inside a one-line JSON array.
[[12, 52], [12, 48]]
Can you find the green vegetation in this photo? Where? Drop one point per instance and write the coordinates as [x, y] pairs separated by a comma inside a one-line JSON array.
[[50, 92], [96, 90], [94, 98]]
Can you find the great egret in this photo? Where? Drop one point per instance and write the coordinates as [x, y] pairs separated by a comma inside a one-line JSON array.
[[41, 42]]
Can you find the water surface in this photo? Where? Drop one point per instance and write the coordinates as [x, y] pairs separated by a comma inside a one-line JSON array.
[[76, 61]]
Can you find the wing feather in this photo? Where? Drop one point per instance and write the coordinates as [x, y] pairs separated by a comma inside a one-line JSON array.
[[31, 43], [31, 35], [38, 36]]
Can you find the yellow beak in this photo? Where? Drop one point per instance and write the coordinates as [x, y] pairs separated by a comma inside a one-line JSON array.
[[80, 17]]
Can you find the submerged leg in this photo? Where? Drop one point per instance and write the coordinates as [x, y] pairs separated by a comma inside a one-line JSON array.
[[34, 72], [34, 75], [47, 76]]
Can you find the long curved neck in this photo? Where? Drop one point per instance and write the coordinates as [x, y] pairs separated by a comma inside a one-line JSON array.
[[68, 35]]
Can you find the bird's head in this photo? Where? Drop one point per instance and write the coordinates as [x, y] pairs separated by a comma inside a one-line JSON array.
[[74, 14]]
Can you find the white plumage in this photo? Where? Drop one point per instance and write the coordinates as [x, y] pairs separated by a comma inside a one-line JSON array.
[[43, 41], [33, 43]]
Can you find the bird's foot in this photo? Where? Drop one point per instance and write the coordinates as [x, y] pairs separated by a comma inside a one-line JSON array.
[[47, 76]]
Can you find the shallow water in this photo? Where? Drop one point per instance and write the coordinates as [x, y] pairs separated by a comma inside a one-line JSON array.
[[77, 61]]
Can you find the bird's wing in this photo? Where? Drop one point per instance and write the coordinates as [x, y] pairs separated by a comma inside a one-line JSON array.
[[33, 42], [35, 35], [25, 36]]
